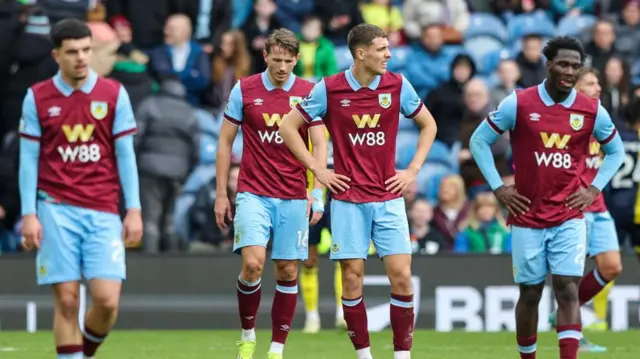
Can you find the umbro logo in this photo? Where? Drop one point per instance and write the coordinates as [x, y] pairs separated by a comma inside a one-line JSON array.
[[258, 102], [345, 103], [54, 111], [534, 116]]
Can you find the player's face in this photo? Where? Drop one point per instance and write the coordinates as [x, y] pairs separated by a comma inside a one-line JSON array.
[[280, 63], [377, 55], [589, 85], [562, 71], [73, 57]]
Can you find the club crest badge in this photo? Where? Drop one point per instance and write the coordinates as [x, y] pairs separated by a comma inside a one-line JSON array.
[[99, 110], [294, 100], [576, 121], [385, 100]]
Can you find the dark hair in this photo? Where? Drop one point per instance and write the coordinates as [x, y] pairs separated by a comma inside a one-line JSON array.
[[284, 39], [563, 43], [68, 29], [363, 35]]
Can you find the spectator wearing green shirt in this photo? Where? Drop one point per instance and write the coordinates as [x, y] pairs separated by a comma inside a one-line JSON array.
[[317, 56]]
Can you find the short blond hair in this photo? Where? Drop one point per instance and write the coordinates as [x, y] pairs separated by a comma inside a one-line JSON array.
[[284, 39]]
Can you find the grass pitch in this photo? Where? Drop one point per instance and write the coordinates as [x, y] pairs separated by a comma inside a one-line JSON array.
[[328, 344]]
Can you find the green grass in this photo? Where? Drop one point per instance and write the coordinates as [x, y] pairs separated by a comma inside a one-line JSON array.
[[325, 345]]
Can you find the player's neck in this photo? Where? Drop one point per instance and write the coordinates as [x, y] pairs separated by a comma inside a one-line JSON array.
[[75, 84], [274, 82], [555, 95], [363, 76]]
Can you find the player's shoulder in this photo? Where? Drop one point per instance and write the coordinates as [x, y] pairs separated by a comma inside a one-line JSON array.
[[43, 86], [586, 103], [393, 76], [251, 81], [303, 85], [334, 80]]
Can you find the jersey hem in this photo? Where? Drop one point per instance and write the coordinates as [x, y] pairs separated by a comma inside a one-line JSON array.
[[120, 134], [231, 119], [30, 137], [269, 195], [304, 114], [417, 110]]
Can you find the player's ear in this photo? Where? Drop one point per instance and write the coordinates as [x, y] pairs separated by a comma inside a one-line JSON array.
[[55, 53], [360, 54], [265, 54]]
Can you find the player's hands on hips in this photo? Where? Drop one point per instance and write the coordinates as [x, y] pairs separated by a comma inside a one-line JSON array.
[[132, 227], [401, 180], [515, 202], [315, 204], [334, 182], [31, 232], [223, 212], [582, 198]]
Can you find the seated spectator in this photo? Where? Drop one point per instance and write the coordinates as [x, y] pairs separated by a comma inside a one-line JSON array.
[[560, 8], [293, 12], [182, 57], [508, 74], [425, 238], [628, 30], [260, 24], [210, 20], [452, 14], [532, 67], [338, 17], [426, 55], [105, 47], [231, 62], [602, 46], [616, 87], [486, 230], [386, 16], [58, 10], [317, 56], [503, 7], [452, 209]]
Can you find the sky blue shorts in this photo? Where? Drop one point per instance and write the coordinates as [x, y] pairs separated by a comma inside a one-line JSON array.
[[601, 233], [79, 242]]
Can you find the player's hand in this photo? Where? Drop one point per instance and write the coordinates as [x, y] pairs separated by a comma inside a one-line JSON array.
[[223, 212], [515, 202], [315, 205], [31, 232], [401, 181], [132, 228], [582, 198], [334, 182]]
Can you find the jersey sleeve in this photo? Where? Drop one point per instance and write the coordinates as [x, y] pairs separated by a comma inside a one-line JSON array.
[[29, 123], [314, 106], [410, 102], [124, 122], [233, 111], [604, 130], [503, 118]]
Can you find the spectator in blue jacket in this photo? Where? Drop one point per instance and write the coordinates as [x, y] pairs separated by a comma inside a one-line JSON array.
[[182, 57], [292, 12], [560, 8]]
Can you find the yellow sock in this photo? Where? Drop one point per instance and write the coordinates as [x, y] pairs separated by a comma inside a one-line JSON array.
[[601, 302], [309, 287], [337, 285]]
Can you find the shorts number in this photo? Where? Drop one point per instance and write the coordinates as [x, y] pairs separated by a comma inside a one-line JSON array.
[[580, 248], [117, 251], [303, 239]]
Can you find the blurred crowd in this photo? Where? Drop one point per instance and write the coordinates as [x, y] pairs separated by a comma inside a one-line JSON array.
[[179, 59]]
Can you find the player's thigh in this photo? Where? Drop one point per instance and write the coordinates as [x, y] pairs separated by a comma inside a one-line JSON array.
[[528, 255], [391, 228], [252, 222], [105, 293], [351, 226], [291, 230], [566, 248], [59, 257], [103, 251], [601, 233]]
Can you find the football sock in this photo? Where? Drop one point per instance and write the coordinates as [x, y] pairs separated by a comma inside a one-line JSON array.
[[569, 340], [248, 304], [355, 314], [91, 341], [282, 311], [309, 287], [601, 302], [69, 351], [527, 346], [402, 322], [590, 285]]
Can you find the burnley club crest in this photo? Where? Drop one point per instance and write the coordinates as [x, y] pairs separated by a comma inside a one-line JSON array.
[[99, 110], [385, 100], [576, 121], [294, 100]]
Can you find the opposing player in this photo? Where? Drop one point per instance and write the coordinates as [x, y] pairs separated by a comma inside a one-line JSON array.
[[272, 189], [551, 126], [361, 108], [602, 240], [76, 153]]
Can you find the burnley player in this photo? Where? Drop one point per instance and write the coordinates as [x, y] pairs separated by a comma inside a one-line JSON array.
[[361, 108], [551, 126], [76, 152], [602, 239], [272, 188]]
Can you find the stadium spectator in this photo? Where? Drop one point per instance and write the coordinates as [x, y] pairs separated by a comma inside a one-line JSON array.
[[616, 87], [560, 8], [210, 20], [503, 7], [602, 46], [628, 30], [147, 21], [410, 195], [293, 12], [452, 209], [105, 47], [386, 16], [57, 10], [183, 57], [425, 238], [130, 68], [338, 16], [426, 55], [486, 230], [452, 14], [530, 61], [260, 24], [446, 103], [231, 61], [317, 53], [9, 198], [167, 150], [508, 75]]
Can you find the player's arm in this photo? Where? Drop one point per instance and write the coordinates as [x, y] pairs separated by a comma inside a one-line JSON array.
[[229, 130], [124, 127], [501, 120], [412, 107], [319, 151], [607, 134], [30, 132]]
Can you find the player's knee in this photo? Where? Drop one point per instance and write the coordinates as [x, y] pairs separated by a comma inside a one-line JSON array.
[[106, 304], [252, 269], [286, 270], [611, 270], [311, 262], [352, 276], [68, 305], [400, 279], [566, 293], [530, 296]]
